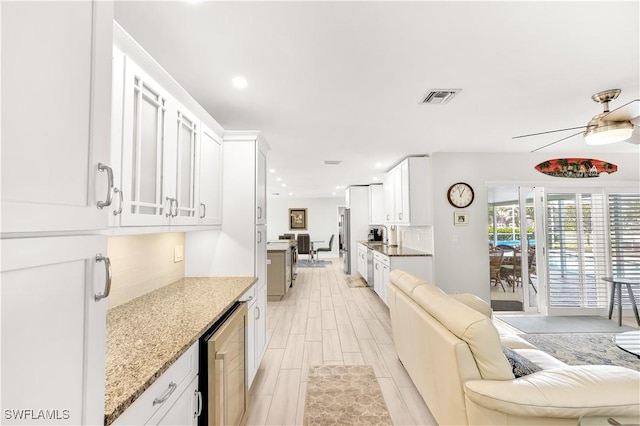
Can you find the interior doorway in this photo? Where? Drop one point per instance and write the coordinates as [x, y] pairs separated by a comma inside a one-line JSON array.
[[511, 235]]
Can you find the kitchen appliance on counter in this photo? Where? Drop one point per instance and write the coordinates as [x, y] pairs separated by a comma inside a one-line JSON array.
[[375, 233], [222, 380]]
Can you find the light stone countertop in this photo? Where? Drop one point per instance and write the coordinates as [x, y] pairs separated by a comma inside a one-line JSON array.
[[147, 335], [393, 251]]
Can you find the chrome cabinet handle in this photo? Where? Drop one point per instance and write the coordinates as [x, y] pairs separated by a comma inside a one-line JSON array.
[[107, 285], [257, 315], [170, 200], [109, 170], [249, 298], [259, 212], [204, 210], [377, 266], [121, 196], [198, 395], [177, 207], [259, 237], [388, 217], [400, 216], [172, 388]]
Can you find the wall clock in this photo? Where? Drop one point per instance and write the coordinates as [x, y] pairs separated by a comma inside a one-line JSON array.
[[460, 195]]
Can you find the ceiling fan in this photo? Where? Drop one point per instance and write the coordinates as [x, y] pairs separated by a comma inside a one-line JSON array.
[[606, 127]]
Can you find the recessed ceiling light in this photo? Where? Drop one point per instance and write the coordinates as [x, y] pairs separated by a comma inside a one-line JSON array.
[[378, 165], [375, 178], [284, 185], [239, 82], [338, 186], [278, 179], [333, 193], [272, 170], [291, 193]]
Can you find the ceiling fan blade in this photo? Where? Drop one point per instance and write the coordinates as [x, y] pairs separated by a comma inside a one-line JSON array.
[[553, 143], [626, 112], [551, 131], [635, 136]]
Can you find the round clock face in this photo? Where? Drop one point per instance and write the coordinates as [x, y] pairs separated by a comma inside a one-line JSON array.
[[460, 195]]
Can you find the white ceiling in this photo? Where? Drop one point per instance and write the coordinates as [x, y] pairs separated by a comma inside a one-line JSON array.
[[344, 80]]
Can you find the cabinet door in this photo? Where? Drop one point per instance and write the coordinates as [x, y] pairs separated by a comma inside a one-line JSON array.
[[56, 97], [389, 186], [184, 152], [404, 206], [185, 410], [252, 367], [261, 255], [53, 329], [210, 185], [385, 280], [144, 137], [377, 276], [261, 324], [261, 188]]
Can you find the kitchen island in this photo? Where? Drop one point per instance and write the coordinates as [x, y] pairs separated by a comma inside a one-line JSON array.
[[148, 334]]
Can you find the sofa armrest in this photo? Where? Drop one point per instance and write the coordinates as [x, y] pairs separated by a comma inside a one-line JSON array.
[[567, 392], [474, 302]]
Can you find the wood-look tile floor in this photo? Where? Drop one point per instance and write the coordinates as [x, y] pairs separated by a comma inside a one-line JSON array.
[[323, 321]]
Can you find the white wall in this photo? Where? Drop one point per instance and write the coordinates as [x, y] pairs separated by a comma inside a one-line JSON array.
[[322, 218], [460, 252]]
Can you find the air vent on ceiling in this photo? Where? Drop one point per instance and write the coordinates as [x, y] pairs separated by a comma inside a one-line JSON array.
[[332, 162], [439, 96], [275, 193]]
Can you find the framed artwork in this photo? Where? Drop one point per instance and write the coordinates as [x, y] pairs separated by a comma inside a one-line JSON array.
[[460, 218], [297, 219]]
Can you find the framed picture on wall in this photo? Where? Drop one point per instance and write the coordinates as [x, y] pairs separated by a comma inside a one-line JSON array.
[[297, 219], [460, 218]]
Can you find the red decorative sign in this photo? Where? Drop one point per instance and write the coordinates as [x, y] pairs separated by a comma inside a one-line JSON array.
[[576, 167]]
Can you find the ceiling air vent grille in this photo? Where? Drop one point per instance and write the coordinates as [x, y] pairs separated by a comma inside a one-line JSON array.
[[332, 162], [439, 96]]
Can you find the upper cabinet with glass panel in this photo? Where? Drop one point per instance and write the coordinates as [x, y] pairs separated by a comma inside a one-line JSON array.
[[160, 176]]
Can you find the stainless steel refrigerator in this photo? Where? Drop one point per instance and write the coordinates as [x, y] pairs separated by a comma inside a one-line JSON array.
[[346, 238]]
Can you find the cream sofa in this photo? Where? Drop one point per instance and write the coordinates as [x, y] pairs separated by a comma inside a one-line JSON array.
[[453, 353]]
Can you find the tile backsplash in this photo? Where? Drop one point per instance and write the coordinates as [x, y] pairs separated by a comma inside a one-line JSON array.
[[417, 238], [143, 263]]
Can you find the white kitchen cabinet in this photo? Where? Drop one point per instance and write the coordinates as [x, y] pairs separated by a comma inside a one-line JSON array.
[[184, 157], [381, 269], [173, 398], [389, 189], [362, 260], [159, 145], [56, 97], [54, 328], [185, 410], [210, 185], [145, 154], [376, 205], [407, 191], [261, 187]]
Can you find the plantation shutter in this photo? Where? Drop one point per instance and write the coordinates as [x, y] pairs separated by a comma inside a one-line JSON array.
[[577, 254], [624, 234]]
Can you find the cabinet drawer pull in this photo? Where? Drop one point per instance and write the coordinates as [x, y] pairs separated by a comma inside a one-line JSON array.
[[121, 197], [399, 216], [172, 388], [204, 210], [259, 212], [177, 207], [388, 217], [107, 285], [257, 315], [170, 200], [198, 404], [109, 170]]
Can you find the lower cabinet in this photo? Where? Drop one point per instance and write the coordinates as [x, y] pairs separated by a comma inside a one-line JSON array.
[[53, 317], [420, 266], [256, 299], [186, 409], [362, 261], [172, 399], [278, 273]]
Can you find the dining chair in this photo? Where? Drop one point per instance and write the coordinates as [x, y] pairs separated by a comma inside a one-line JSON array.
[[495, 265], [325, 249], [304, 244]]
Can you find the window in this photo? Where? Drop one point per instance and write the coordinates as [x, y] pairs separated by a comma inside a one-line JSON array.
[[624, 234]]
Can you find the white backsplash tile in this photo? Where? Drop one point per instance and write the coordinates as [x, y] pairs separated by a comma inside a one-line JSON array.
[[417, 238], [142, 263]]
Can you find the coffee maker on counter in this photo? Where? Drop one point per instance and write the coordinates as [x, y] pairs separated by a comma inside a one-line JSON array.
[[375, 233]]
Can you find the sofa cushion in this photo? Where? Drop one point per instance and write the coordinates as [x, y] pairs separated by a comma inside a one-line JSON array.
[[520, 365], [469, 325]]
